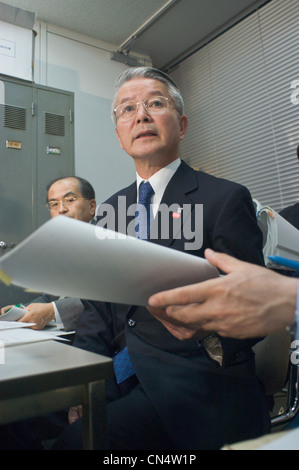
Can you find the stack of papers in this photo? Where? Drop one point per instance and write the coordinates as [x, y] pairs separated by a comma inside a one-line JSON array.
[[14, 333]]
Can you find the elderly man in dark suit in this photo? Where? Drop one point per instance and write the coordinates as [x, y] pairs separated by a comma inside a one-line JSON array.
[[194, 394]]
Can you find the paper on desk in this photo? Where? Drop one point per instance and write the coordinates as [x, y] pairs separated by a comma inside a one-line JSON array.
[[13, 337], [11, 325], [67, 257]]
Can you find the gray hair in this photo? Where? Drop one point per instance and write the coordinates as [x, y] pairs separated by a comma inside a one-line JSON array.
[[155, 74]]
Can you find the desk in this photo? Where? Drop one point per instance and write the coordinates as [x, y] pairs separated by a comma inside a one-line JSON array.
[[43, 377]]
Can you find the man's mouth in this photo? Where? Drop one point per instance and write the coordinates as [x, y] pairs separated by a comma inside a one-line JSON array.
[[145, 134]]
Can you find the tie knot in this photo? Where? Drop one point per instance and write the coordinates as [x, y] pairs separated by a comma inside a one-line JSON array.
[[145, 192]]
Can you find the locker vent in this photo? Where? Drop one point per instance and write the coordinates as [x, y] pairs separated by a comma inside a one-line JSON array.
[[54, 124], [14, 117]]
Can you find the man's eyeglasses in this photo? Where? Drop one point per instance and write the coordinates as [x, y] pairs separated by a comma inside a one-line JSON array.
[[66, 202], [152, 105]]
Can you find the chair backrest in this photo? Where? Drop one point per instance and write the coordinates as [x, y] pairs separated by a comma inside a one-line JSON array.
[[272, 358]]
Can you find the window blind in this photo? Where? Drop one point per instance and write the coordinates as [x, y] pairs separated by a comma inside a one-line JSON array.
[[237, 91]]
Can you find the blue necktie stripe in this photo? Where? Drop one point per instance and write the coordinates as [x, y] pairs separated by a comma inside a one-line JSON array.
[[122, 364], [143, 213]]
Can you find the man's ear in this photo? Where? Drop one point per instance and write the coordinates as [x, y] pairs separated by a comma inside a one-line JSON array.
[[93, 206], [183, 126]]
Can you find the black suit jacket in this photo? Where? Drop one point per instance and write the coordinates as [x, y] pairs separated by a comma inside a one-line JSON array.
[[201, 404], [291, 214]]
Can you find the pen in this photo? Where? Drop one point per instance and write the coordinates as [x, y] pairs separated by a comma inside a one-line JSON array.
[[288, 263]]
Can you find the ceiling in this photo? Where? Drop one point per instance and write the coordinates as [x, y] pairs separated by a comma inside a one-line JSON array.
[[165, 29]]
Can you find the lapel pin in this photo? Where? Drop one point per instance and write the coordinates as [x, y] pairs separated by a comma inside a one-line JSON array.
[[177, 214]]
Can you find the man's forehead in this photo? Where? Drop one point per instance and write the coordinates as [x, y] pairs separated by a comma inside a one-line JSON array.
[[65, 186], [139, 84]]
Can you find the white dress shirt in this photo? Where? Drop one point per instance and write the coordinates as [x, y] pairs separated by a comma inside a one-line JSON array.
[[159, 181]]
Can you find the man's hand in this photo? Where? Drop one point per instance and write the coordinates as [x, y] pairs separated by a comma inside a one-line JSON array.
[[40, 314], [75, 412], [249, 301]]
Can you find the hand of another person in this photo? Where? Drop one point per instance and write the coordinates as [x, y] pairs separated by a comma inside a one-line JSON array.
[[75, 412], [249, 301], [40, 314]]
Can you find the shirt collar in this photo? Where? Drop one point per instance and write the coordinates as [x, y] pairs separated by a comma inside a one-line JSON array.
[[160, 180]]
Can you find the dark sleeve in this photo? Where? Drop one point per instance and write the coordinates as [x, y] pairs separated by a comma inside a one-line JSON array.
[[235, 230], [69, 309], [291, 215], [236, 233], [95, 329]]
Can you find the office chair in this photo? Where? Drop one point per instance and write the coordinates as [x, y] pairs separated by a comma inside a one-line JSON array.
[[278, 373]]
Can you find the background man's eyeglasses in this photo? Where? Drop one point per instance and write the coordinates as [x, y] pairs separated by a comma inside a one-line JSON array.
[[66, 202]]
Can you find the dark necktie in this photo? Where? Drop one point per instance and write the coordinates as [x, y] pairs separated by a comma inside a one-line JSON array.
[[122, 364], [143, 214]]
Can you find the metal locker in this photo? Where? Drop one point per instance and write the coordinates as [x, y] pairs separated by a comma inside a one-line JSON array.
[[55, 153], [36, 146], [16, 163]]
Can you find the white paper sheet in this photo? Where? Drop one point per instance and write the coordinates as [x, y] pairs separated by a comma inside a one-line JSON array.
[[11, 325], [66, 257], [13, 337]]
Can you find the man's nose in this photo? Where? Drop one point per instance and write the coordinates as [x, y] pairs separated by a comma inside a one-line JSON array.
[[61, 207], [142, 114]]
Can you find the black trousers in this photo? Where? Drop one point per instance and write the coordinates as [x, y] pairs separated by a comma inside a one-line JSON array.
[[132, 423], [29, 434]]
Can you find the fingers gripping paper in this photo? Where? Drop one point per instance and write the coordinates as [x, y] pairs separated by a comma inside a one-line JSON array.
[[66, 257]]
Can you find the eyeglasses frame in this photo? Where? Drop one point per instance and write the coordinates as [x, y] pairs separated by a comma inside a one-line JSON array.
[[48, 205], [168, 100]]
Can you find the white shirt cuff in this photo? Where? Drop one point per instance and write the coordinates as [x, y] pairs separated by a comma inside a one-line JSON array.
[[57, 316]]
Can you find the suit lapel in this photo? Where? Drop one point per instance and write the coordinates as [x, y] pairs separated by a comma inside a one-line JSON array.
[[176, 206], [125, 211]]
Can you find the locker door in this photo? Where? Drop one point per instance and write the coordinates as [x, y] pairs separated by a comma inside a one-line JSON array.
[[17, 155], [36, 146], [16, 162], [55, 137]]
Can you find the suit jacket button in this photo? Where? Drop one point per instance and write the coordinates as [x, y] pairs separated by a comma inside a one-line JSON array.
[[131, 322]]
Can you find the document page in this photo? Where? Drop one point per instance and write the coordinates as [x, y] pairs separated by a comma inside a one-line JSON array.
[[11, 325], [67, 257], [12, 337]]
